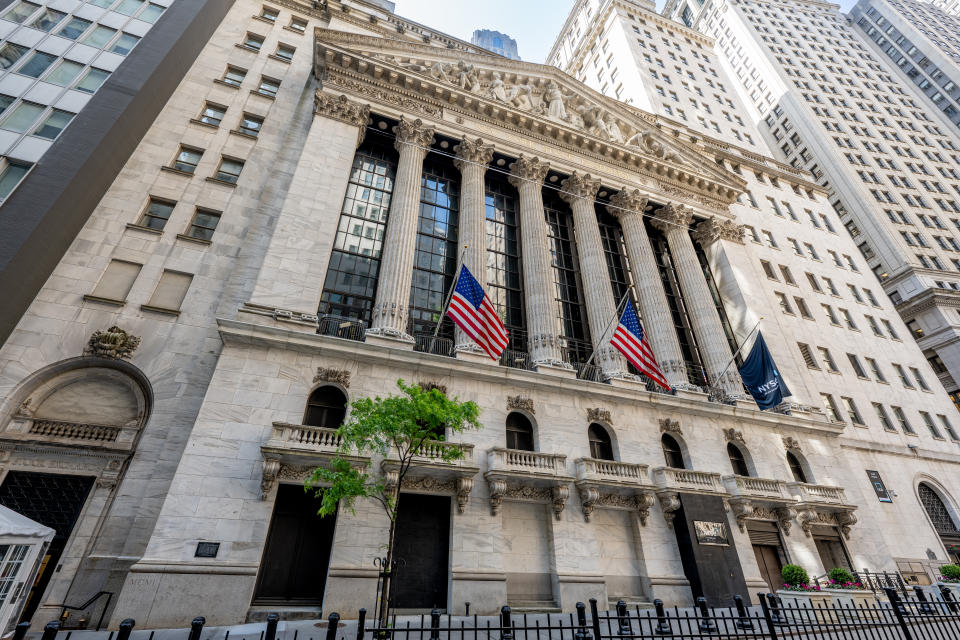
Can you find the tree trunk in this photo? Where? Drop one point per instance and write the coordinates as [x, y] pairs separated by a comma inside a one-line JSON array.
[[388, 564]]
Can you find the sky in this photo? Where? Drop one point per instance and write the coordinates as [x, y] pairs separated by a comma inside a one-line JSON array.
[[534, 24]]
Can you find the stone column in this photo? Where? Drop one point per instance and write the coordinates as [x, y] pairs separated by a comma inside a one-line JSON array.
[[391, 310], [472, 160], [674, 220], [579, 192], [628, 207], [543, 323]]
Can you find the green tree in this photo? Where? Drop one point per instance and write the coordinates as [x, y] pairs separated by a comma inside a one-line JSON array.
[[395, 427]]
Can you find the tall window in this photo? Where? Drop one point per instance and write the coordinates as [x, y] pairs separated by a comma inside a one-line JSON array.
[[435, 260], [796, 468], [326, 407], [351, 284], [617, 265], [566, 274], [601, 447], [504, 279], [737, 460], [519, 432], [672, 452]]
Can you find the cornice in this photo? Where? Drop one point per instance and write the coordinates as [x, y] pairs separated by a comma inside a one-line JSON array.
[[314, 10], [929, 299]]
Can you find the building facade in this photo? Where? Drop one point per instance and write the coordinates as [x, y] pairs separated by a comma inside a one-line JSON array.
[[280, 243], [497, 42]]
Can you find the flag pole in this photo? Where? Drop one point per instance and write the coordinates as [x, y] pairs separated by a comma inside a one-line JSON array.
[[616, 315], [453, 285], [742, 344]]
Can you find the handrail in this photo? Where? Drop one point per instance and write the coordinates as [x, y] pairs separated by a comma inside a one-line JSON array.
[[109, 594]]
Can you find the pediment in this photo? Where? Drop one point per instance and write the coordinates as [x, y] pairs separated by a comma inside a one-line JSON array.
[[538, 97]]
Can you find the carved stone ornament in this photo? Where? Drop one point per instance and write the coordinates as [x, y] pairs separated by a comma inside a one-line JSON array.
[[626, 202], [669, 504], [520, 403], [791, 444], [592, 496], [113, 343], [784, 516], [341, 108], [599, 415], [742, 509], [413, 133], [559, 495], [271, 468], [579, 186], [527, 169], [806, 518], [431, 385], [672, 217], [670, 426], [337, 376], [734, 435], [474, 152]]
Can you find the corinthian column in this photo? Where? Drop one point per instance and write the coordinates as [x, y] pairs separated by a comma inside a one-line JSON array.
[[674, 221], [391, 310], [472, 159], [543, 322], [628, 207], [579, 192]]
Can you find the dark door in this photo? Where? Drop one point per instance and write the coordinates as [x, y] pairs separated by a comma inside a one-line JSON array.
[[832, 553], [297, 554], [422, 541], [54, 501], [768, 559]]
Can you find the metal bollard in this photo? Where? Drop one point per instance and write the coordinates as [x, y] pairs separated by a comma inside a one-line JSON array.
[[333, 623], [361, 619], [706, 623], [945, 592], [21, 630], [623, 620], [467, 606], [271, 633], [744, 621], [126, 627], [582, 632], [922, 600], [50, 630], [196, 628], [663, 627], [774, 606], [435, 624], [506, 627]]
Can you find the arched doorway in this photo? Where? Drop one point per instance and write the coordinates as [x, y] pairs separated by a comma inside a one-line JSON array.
[[942, 520]]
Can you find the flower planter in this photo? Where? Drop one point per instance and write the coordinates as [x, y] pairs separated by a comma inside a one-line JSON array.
[[806, 605], [854, 604]]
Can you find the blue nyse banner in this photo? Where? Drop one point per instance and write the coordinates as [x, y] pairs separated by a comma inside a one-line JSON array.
[[759, 373]]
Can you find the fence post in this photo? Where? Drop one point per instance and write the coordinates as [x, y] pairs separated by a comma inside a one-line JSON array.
[[595, 619], [623, 621], [744, 621], [506, 627], [333, 623], [582, 633], [271, 632], [435, 624], [922, 599], [196, 628], [125, 628], [898, 610], [945, 593], [361, 620], [21, 630], [768, 615], [774, 602], [467, 606], [663, 627], [706, 624]]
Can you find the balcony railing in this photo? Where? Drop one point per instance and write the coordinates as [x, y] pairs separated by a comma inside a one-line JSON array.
[[687, 480], [432, 451], [74, 431], [516, 360], [749, 487], [437, 345], [597, 470], [532, 462], [589, 372], [304, 437], [341, 327], [823, 494]]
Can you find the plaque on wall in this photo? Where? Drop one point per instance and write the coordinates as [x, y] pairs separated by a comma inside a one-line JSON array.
[[714, 533], [882, 494], [207, 550]]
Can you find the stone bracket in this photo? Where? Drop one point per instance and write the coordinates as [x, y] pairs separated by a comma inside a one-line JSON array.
[[593, 495], [502, 488]]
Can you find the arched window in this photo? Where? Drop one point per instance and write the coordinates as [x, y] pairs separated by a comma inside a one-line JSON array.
[[796, 468], [939, 516], [601, 447], [519, 432], [326, 407], [737, 460], [672, 452]]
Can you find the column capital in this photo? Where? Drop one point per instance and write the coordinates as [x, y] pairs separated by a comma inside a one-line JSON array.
[[713, 229], [579, 186], [526, 169], [340, 108], [472, 152], [415, 133], [626, 202], [671, 217]]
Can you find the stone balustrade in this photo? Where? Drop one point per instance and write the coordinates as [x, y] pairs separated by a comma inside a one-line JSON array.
[[304, 437], [610, 471], [81, 434], [671, 479], [532, 462], [817, 493], [755, 488]]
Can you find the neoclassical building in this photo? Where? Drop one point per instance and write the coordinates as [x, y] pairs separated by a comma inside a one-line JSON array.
[[281, 242]]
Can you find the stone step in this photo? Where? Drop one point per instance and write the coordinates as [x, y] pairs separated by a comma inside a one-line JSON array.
[[632, 602], [534, 606], [286, 612]]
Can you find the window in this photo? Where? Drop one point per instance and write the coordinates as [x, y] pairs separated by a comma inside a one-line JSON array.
[[601, 447], [124, 44], [229, 170], [269, 13], [22, 117], [787, 275], [187, 159], [21, 12], [857, 367], [519, 432], [74, 28], [92, 80], [784, 303], [116, 281], [807, 354], [100, 36], [890, 330], [250, 124], [902, 419], [53, 124], [814, 283], [212, 114], [831, 315], [948, 427], [47, 20], [796, 469], [10, 177], [884, 418], [914, 328], [285, 52], [326, 407], [151, 13], [771, 241], [848, 319], [830, 406], [827, 358], [253, 41], [128, 7], [170, 291], [157, 213], [268, 87], [298, 24], [64, 73], [928, 420], [852, 411], [36, 64], [768, 270], [803, 308], [875, 368], [204, 223], [671, 451], [234, 76], [737, 460], [902, 375], [10, 53], [919, 378]]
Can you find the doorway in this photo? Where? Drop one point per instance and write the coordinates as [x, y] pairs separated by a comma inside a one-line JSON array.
[[296, 556], [52, 500], [830, 547], [423, 543], [768, 550]]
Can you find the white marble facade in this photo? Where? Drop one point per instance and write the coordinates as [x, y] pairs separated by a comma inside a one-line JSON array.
[[217, 385]]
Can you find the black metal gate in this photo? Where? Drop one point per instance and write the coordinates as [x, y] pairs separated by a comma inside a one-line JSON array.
[[423, 542]]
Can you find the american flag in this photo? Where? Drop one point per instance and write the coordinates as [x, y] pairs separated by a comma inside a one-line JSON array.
[[470, 308], [630, 340]]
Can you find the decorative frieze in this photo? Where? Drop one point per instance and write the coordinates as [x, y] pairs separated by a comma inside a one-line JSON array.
[[520, 403], [114, 343], [734, 435], [430, 386], [413, 103], [336, 376], [668, 425], [716, 228], [791, 444], [341, 108], [599, 415]]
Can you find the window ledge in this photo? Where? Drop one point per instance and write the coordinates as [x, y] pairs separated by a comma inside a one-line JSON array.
[[179, 172], [274, 56], [232, 185], [266, 20], [92, 298], [237, 132], [262, 95], [220, 81], [246, 48], [204, 124], [171, 312], [140, 227], [185, 237], [287, 27]]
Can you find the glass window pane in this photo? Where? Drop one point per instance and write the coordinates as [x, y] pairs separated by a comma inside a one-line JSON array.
[[10, 53], [22, 117], [5, 101], [129, 7], [64, 73], [124, 44], [102, 3], [187, 160], [99, 36], [74, 28], [47, 20], [151, 13], [51, 127], [21, 12], [36, 64], [92, 80], [11, 176]]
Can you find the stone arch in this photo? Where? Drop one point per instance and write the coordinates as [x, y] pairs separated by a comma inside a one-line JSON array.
[[520, 422], [666, 439], [602, 440], [326, 406], [940, 522], [738, 452], [797, 461]]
